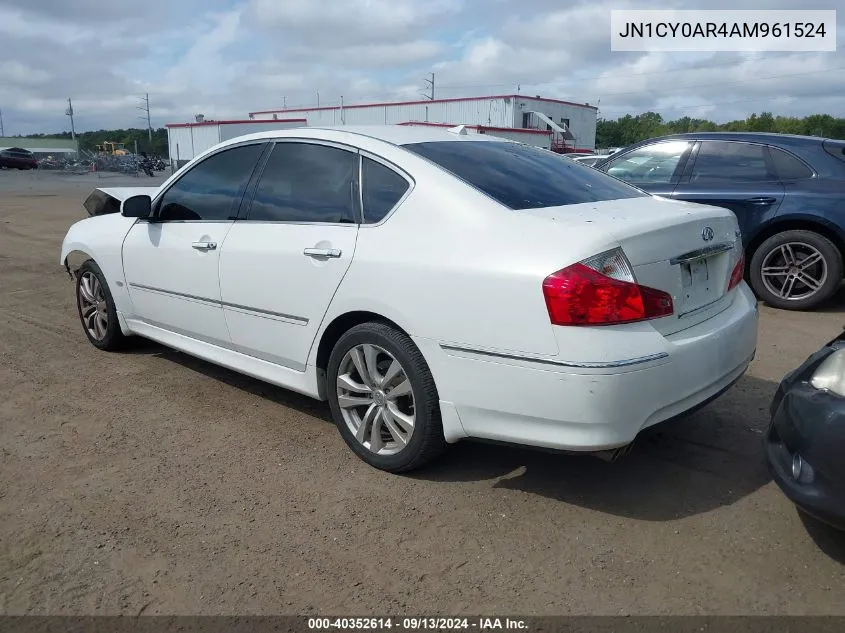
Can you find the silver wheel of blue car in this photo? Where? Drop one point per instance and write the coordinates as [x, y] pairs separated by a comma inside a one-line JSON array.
[[794, 271]]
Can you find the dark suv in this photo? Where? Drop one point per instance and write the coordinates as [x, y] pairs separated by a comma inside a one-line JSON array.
[[17, 158], [788, 193]]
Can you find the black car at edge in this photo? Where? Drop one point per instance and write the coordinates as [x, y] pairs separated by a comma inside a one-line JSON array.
[[805, 441], [787, 191]]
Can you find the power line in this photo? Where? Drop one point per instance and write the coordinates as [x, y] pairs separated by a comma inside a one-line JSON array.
[[710, 105], [146, 108], [430, 82], [606, 76], [69, 112], [727, 83]]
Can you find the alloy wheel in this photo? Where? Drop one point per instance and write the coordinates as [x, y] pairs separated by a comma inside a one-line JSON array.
[[376, 399], [93, 306], [794, 271]]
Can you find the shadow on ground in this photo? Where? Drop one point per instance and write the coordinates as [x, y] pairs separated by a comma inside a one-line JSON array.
[[828, 539], [836, 304], [283, 397], [709, 459]]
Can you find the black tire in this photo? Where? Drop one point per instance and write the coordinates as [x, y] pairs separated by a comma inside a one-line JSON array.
[[113, 339], [426, 441], [832, 259]]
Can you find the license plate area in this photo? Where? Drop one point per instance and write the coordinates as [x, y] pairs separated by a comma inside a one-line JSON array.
[[699, 285]]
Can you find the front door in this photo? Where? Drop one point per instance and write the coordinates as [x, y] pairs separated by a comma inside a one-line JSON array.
[[171, 261], [282, 264], [738, 176]]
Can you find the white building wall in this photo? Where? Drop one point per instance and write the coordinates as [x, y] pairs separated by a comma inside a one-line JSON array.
[[233, 130], [180, 144], [495, 111], [582, 120]]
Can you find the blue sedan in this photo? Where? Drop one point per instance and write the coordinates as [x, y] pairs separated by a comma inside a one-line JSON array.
[[787, 191]]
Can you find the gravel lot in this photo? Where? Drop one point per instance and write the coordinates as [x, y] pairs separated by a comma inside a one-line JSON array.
[[151, 482]]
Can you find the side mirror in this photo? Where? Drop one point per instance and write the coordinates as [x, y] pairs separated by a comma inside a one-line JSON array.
[[137, 207]]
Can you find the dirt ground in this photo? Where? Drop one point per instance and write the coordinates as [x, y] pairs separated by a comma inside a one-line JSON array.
[[150, 482]]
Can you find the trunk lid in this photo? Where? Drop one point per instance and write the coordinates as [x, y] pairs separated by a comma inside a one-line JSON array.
[[683, 248]]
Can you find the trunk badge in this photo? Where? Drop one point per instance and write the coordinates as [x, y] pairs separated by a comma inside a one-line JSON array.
[[707, 234]]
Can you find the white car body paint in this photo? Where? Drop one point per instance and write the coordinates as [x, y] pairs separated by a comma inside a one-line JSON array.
[[462, 275]]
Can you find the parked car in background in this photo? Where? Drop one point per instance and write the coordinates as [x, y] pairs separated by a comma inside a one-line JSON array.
[[788, 194], [806, 439], [431, 285], [17, 158]]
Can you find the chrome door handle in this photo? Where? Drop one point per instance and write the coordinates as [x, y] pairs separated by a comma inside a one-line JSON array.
[[322, 252], [204, 246]]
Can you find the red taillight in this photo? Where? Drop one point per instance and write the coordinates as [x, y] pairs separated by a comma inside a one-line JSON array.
[[581, 295], [738, 272]]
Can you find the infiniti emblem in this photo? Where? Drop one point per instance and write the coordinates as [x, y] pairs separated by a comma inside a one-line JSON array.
[[707, 234]]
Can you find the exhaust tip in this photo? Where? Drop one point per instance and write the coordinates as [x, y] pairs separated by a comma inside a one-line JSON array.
[[615, 453]]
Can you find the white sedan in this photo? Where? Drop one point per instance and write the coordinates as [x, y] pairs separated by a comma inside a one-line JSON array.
[[432, 285]]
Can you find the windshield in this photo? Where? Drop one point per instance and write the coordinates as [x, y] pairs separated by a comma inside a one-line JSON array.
[[524, 177]]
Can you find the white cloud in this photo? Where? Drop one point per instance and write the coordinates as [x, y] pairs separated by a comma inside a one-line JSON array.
[[226, 58]]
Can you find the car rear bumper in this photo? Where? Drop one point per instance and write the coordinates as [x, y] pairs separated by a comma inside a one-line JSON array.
[[595, 408], [809, 423]]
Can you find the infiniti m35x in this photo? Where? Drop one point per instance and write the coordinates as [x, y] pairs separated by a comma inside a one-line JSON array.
[[431, 284]]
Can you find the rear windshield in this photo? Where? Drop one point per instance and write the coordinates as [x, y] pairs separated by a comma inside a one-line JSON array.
[[524, 177]]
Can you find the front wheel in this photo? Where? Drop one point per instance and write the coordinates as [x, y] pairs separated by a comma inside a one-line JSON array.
[[796, 270], [96, 308], [383, 398]]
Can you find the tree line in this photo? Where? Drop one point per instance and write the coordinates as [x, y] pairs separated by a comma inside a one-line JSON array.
[[630, 129], [90, 140]]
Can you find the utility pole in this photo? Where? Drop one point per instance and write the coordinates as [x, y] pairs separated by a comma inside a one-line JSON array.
[[146, 108], [430, 82], [69, 112], [2, 131]]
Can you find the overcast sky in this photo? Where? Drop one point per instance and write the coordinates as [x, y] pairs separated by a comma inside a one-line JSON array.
[[225, 58]]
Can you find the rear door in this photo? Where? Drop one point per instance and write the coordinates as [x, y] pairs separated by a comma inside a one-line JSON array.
[[655, 167], [735, 175], [281, 265]]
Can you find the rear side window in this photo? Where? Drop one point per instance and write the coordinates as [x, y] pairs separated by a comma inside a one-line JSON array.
[[787, 166], [727, 161], [383, 188], [306, 182], [212, 189], [835, 148], [524, 177]]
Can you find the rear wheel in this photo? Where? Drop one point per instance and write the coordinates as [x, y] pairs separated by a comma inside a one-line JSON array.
[[383, 398], [796, 270], [96, 308]]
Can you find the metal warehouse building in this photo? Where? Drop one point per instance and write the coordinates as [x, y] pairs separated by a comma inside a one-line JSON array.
[[186, 140], [562, 126]]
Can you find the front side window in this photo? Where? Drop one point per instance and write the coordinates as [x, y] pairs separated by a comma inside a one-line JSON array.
[[521, 176], [211, 190], [728, 161], [654, 163], [306, 182], [383, 188]]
